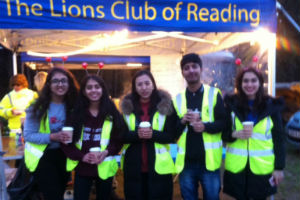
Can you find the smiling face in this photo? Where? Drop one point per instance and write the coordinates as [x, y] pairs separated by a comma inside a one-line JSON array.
[[59, 84], [144, 87], [250, 85], [93, 90], [191, 72]]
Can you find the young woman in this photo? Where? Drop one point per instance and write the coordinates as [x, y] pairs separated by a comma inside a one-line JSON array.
[[147, 164], [43, 135], [255, 157], [97, 123]]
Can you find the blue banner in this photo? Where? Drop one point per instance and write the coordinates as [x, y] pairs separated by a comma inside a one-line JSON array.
[[145, 60], [139, 15]]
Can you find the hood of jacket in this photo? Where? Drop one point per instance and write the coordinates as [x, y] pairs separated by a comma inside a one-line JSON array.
[[164, 106], [272, 106]]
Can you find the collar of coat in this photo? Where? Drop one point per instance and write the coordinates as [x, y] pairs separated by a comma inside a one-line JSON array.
[[163, 107], [272, 106]]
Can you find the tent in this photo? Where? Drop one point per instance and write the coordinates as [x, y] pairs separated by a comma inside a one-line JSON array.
[[162, 30]]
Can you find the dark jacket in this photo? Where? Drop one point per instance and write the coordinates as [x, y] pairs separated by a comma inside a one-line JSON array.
[[245, 183], [159, 186]]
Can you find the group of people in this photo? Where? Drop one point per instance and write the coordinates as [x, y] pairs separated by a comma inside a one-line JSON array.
[[197, 119]]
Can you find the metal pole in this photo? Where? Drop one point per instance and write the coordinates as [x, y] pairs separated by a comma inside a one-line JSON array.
[[288, 16], [272, 65], [15, 69]]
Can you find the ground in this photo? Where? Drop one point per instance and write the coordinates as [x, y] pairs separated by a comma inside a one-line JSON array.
[[289, 189]]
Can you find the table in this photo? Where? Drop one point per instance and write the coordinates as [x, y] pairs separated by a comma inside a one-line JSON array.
[[8, 151]]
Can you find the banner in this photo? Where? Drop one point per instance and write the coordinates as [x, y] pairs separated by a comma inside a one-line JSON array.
[[140, 15], [145, 60]]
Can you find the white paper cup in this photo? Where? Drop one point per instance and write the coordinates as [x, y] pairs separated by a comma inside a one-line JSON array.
[[248, 125], [145, 124], [196, 115], [69, 131], [95, 150]]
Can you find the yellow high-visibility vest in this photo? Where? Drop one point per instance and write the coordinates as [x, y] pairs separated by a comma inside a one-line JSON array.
[[33, 152], [109, 167], [16, 100], [212, 142], [258, 148]]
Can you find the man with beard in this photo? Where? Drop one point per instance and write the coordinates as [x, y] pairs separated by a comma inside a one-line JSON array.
[[202, 118]]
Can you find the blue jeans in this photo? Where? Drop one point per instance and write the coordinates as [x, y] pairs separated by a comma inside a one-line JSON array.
[[189, 182]]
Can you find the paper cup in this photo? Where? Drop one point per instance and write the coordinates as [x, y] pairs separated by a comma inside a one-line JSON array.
[[69, 131], [145, 124], [196, 115], [248, 125]]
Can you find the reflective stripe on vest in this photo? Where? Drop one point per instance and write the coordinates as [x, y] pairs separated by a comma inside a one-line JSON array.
[[109, 166], [243, 152], [163, 161], [130, 121], [213, 145], [259, 149], [36, 152], [212, 142], [33, 152]]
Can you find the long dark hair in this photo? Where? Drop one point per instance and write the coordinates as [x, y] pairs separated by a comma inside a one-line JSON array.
[[42, 103], [154, 98], [259, 101], [106, 107]]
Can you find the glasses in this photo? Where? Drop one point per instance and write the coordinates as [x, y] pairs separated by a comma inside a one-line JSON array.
[[63, 81], [16, 85]]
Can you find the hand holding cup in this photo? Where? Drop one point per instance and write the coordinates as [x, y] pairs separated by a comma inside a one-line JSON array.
[[247, 129], [101, 156], [144, 130], [16, 111], [93, 154], [68, 131], [90, 158], [188, 117], [97, 156], [198, 126], [195, 117]]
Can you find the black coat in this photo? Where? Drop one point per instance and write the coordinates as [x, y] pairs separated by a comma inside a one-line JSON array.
[[159, 186], [246, 184]]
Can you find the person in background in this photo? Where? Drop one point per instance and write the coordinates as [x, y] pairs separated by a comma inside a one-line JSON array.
[[39, 80], [14, 104], [202, 119], [146, 161], [97, 123], [43, 135], [255, 157]]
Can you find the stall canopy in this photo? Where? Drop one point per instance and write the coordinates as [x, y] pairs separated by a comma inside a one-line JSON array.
[[134, 27]]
